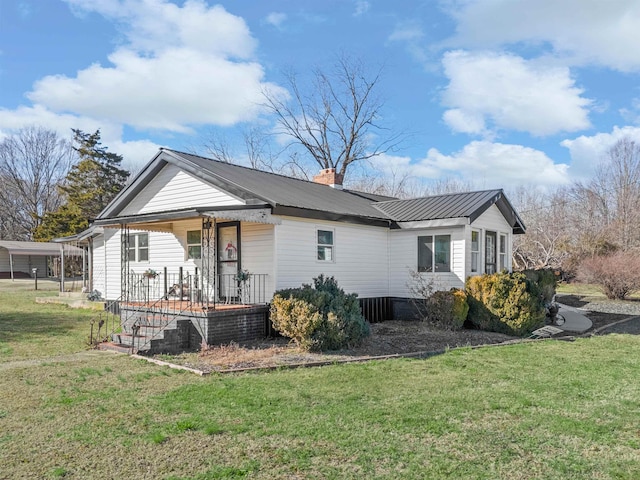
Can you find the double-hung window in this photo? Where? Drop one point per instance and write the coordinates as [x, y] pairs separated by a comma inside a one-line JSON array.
[[325, 245], [138, 247], [194, 244], [502, 249], [475, 251], [434, 253]]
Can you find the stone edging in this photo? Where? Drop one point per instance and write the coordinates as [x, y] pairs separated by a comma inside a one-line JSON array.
[[324, 363]]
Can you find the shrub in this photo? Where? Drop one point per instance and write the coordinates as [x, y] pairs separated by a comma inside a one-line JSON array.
[[618, 274], [504, 302], [322, 317], [446, 309], [543, 283]]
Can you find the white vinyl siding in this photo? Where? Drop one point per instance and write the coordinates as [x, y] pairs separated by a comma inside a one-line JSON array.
[[404, 259], [168, 249], [490, 221], [174, 189], [361, 256], [257, 252]]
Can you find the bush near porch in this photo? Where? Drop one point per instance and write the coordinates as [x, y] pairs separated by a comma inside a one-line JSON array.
[[511, 303], [319, 317]]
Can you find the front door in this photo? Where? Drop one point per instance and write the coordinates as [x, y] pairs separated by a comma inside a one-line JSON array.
[[228, 237]]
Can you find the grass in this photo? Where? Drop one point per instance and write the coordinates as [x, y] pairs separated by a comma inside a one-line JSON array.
[[585, 289], [29, 330], [547, 410]]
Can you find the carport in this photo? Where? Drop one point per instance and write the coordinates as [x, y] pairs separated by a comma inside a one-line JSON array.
[[23, 257]]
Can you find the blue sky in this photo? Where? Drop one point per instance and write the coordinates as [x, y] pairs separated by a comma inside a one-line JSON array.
[[499, 93]]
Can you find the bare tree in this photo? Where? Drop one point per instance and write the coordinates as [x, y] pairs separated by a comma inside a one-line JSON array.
[[336, 123], [33, 162], [610, 202]]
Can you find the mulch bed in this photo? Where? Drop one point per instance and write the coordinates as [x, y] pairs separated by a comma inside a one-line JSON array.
[[397, 337]]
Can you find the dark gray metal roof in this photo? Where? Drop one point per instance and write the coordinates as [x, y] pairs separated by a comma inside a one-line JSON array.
[[296, 197], [454, 205], [279, 190]]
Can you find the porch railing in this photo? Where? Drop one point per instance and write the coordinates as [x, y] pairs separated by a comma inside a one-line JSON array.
[[247, 289]]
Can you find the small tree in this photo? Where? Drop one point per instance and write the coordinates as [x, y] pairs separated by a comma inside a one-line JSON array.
[[88, 188], [618, 274]]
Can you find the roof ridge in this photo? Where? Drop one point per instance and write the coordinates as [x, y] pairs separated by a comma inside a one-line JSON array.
[[281, 175], [241, 166], [440, 195]]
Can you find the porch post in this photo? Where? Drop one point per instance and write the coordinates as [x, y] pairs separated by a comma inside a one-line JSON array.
[[11, 264], [62, 267], [124, 262]]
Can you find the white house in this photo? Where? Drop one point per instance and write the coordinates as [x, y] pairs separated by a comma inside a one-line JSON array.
[[188, 217]]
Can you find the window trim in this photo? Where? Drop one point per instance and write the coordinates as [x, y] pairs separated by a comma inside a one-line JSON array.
[[199, 244], [478, 252], [494, 235], [503, 257], [433, 254], [330, 246], [134, 245]]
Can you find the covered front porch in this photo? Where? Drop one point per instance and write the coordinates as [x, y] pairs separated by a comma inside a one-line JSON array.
[[188, 278]]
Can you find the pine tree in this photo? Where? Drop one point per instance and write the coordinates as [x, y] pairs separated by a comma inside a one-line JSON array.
[[88, 188]]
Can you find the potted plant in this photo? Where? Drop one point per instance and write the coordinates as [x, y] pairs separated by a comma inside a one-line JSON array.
[[150, 273]]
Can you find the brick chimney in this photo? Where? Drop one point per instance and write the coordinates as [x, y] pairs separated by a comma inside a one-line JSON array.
[[328, 176]]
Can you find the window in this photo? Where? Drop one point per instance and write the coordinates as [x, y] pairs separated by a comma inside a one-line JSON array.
[[490, 252], [434, 253], [475, 251], [138, 247], [503, 252], [325, 245], [194, 244]]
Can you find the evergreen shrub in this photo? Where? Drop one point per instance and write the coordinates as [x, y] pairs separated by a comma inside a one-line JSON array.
[[319, 317], [505, 302]]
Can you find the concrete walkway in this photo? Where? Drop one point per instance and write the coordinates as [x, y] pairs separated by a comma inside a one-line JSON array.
[[575, 321]]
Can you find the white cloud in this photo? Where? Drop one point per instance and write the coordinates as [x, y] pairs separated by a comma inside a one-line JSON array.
[[170, 91], [362, 7], [587, 152], [135, 153], [490, 91], [412, 36], [494, 165], [155, 25], [581, 31], [181, 67], [276, 19]]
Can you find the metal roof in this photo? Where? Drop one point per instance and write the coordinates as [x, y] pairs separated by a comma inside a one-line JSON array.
[[280, 190], [454, 205], [38, 248], [297, 197]]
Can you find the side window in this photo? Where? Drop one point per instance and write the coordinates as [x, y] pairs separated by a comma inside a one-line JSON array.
[[138, 247], [194, 244], [490, 252], [503, 252], [434, 253], [325, 245], [475, 251], [425, 254]]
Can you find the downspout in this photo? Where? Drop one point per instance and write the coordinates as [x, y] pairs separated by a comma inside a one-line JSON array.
[[11, 264]]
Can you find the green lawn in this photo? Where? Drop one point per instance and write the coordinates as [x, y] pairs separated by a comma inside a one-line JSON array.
[[30, 330], [547, 410]]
